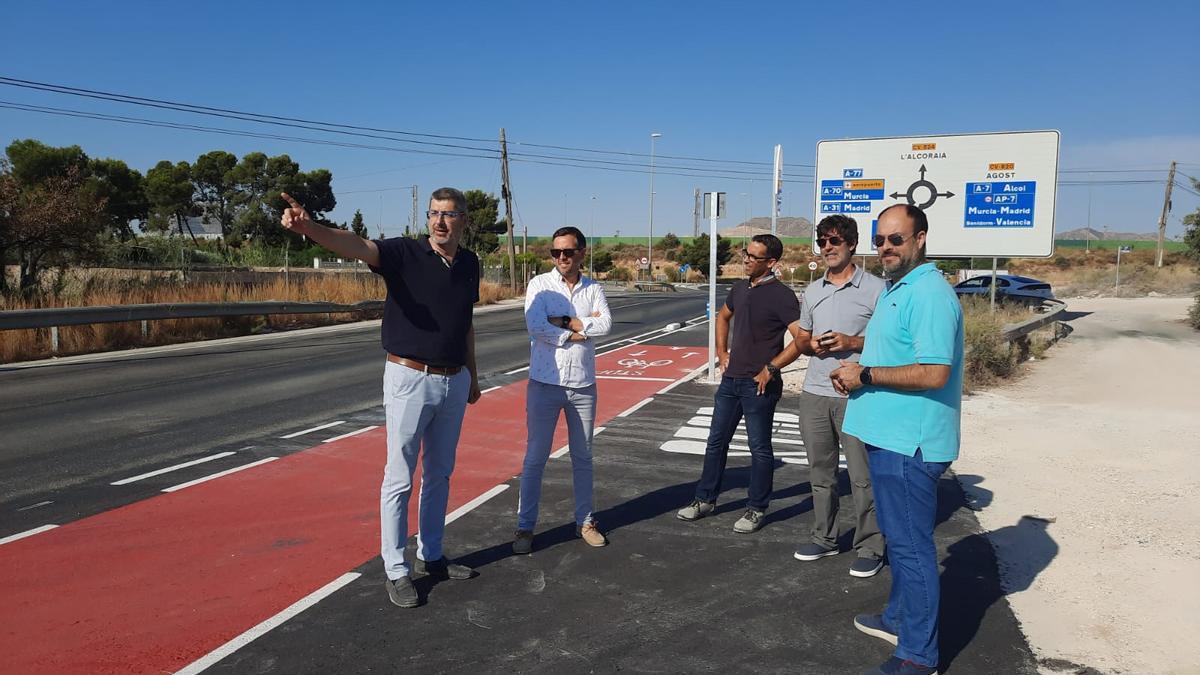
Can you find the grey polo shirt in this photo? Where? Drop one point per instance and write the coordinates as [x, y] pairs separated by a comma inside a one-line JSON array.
[[842, 309]]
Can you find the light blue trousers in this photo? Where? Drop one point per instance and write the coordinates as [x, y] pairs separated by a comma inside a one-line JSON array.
[[424, 416], [543, 402]]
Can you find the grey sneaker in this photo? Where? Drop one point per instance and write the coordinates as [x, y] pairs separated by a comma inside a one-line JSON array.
[[402, 593], [813, 551], [749, 522], [872, 624], [865, 567], [443, 569], [696, 510], [523, 542]]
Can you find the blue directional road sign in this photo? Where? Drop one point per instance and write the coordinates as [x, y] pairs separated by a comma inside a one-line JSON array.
[[1000, 204]]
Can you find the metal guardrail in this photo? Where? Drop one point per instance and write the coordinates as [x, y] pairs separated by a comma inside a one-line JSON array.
[[54, 317], [1015, 331]]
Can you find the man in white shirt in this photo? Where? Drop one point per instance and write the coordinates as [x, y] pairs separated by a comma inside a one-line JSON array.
[[564, 312]]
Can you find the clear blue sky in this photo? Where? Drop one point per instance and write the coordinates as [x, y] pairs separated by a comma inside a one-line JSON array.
[[718, 80]]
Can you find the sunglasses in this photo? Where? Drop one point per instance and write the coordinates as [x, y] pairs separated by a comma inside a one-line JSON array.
[[450, 215], [751, 256], [832, 241], [893, 239], [563, 252]]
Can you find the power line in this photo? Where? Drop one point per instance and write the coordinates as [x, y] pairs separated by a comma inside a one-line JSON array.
[[329, 127], [562, 161]]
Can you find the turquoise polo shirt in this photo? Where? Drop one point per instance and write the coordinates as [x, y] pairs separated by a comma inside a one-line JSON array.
[[917, 320]]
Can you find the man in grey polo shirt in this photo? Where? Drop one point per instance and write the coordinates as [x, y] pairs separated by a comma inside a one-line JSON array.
[[833, 319]]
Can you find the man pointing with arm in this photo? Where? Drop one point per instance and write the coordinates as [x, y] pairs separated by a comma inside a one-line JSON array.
[[429, 376]]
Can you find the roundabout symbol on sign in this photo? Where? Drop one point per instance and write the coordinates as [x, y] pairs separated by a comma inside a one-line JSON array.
[[919, 184]]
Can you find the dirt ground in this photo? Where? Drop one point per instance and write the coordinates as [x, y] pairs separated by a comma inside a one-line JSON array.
[[1084, 473], [1098, 443]]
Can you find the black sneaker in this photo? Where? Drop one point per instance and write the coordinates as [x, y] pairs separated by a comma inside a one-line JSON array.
[[865, 567], [898, 666], [443, 569], [813, 551], [872, 624], [402, 593]]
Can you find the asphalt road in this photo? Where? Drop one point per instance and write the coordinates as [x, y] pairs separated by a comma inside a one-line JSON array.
[[79, 422]]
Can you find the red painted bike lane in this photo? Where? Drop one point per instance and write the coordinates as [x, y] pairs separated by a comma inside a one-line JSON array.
[[155, 585]]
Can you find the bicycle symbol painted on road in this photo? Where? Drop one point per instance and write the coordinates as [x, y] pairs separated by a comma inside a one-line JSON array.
[[640, 363]]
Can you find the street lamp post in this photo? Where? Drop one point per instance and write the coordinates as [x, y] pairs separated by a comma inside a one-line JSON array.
[[592, 232], [650, 239]]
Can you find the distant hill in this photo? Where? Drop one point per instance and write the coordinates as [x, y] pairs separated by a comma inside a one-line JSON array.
[[787, 226], [1092, 234]]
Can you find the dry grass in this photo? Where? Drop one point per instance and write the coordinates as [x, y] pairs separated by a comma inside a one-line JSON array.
[[989, 358], [1074, 273], [104, 289]]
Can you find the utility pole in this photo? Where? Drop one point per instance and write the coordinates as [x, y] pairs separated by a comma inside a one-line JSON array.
[[696, 216], [413, 222], [1162, 220], [506, 193]]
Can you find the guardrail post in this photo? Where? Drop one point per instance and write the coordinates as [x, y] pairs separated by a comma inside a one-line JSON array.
[[54, 339], [145, 329]]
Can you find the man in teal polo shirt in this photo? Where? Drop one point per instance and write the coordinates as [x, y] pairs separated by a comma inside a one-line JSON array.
[[905, 402]]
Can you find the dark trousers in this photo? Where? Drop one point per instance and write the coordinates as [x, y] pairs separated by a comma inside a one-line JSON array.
[[906, 500], [738, 397], [821, 428]]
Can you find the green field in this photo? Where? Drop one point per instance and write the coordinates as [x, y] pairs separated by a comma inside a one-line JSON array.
[[1112, 244]]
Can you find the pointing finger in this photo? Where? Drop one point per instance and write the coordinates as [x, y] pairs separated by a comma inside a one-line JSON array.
[[288, 198]]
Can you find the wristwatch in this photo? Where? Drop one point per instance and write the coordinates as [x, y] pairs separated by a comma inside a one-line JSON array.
[[864, 375], [564, 321], [773, 369]]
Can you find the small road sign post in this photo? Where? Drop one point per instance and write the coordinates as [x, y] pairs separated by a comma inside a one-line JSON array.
[[714, 207]]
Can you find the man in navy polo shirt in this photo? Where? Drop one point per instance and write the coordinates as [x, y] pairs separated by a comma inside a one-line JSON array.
[[760, 308], [905, 403], [429, 376]]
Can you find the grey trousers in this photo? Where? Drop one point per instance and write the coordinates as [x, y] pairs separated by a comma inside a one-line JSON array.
[[821, 429]]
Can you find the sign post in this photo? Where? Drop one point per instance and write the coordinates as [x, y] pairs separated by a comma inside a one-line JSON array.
[[1120, 250], [777, 191], [714, 207]]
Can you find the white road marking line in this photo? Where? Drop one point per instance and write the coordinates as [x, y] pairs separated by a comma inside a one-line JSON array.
[[514, 372], [637, 406], [318, 428], [637, 339], [635, 379], [779, 416], [702, 434], [489, 389], [352, 433], [561, 451], [469, 506], [169, 469], [226, 472], [26, 533], [779, 427], [598, 430], [35, 506], [690, 376], [211, 658]]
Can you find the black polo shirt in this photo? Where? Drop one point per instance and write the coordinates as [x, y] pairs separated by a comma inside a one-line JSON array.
[[761, 314], [428, 309]]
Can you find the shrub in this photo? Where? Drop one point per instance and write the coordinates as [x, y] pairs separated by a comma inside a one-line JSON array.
[[1194, 314], [620, 274]]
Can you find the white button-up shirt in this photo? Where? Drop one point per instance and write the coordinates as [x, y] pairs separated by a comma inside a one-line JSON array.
[[553, 359]]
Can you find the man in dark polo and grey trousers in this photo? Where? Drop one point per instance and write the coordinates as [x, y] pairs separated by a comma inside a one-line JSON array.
[[429, 376], [833, 320]]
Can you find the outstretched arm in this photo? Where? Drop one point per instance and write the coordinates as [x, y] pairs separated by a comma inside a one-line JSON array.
[[344, 243]]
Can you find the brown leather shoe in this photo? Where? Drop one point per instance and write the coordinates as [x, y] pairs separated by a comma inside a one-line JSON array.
[[591, 534]]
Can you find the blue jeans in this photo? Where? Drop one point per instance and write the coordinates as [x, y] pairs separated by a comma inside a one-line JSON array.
[[543, 403], [906, 508], [424, 416], [738, 397]]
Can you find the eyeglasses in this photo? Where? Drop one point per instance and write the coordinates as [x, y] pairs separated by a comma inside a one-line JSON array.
[[832, 241], [563, 252], [450, 215], [893, 239], [756, 258]]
